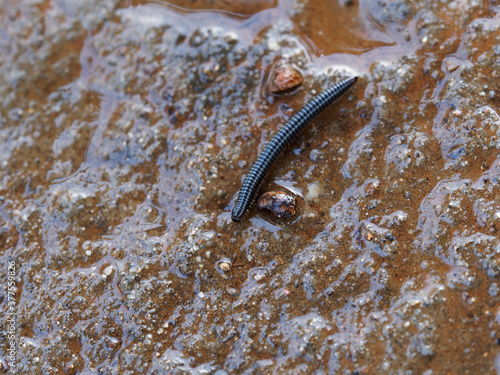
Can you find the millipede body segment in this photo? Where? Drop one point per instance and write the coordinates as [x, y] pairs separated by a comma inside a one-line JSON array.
[[283, 137]]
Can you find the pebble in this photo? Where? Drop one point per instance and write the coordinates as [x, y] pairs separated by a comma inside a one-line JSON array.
[[278, 204], [108, 270], [451, 64], [313, 191], [111, 342], [286, 78], [224, 264]]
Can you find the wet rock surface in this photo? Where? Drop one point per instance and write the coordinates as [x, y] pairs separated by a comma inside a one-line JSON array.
[[125, 129]]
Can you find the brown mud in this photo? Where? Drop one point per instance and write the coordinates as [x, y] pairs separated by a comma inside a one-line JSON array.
[[126, 128]]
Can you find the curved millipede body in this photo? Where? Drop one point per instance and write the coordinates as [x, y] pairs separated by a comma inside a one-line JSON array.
[[284, 136]]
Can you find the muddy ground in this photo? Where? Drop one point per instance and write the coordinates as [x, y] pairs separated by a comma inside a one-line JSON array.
[[126, 128]]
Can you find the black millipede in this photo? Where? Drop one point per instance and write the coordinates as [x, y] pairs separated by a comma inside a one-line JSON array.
[[283, 137]]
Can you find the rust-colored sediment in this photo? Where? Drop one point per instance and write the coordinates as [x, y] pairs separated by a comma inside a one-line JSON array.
[[125, 129]]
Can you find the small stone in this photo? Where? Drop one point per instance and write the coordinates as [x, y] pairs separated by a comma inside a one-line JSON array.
[[259, 276], [451, 64], [278, 204], [286, 78], [224, 265], [313, 191], [111, 342]]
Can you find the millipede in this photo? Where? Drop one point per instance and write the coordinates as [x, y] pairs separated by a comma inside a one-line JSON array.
[[282, 138]]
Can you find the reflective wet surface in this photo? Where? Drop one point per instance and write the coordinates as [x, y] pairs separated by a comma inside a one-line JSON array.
[[126, 128]]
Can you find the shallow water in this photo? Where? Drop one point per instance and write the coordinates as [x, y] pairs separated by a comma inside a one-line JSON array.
[[126, 128]]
